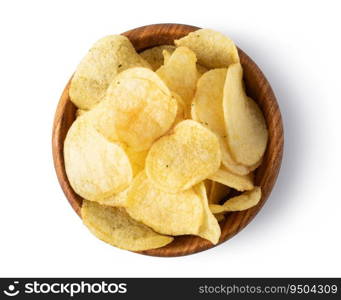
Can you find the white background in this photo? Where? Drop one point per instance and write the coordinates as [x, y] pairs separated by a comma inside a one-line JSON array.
[[297, 45]]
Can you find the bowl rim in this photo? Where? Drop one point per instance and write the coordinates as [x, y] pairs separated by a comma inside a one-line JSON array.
[[138, 36]]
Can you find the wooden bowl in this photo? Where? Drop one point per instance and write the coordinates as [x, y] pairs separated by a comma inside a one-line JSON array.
[[257, 87]]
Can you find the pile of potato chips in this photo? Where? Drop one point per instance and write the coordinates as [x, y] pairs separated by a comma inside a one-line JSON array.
[[161, 139]]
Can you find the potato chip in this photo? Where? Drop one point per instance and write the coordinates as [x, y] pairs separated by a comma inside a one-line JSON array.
[[240, 183], [242, 202], [117, 200], [180, 73], [181, 113], [108, 56], [212, 48], [208, 185], [218, 192], [207, 108], [137, 109], [209, 229], [154, 56], [96, 168], [115, 227], [167, 213], [245, 125], [180, 160], [166, 55], [137, 159]]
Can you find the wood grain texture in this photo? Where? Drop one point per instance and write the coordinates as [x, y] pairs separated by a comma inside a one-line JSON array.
[[257, 87]]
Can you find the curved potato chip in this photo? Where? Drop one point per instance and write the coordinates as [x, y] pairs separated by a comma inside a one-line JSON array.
[[166, 55], [180, 73], [218, 192], [137, 159], [115, 227], [208, 185], [95, 167], [212, 48], [181, 113], [137, 109], [154, 56], [167, 213], [245, 125], [180, 160], [240, 183], [242, 202], [209, 229], [108, 56], [117, 200], [207, 108]]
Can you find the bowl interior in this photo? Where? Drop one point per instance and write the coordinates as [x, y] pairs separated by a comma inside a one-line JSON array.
[[257, 87]]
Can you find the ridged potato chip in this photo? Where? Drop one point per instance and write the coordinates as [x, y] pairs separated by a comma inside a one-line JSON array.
[[218, 192], [166, 213], [209, 229], [239, 183], [184, 158], [180, 73], [154, 56], [242, 202], [95, 167], [114, 226], [212, 48], [108, 56], [207, 108], [245, 125], [138, 108]]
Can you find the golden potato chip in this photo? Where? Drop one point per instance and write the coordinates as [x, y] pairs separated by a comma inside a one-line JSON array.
[[218, 192], [180, 73], [166, 55], [114, 226], [154, 56], [245, 125], [167, 213], [240, 183], [181, 113], [137, 159], [108, 56], [208, 185], [137, 109], [207, 108], [180, 160], [242, 202], [117, 200], [96, 168], [212, 48], [209, 229]]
